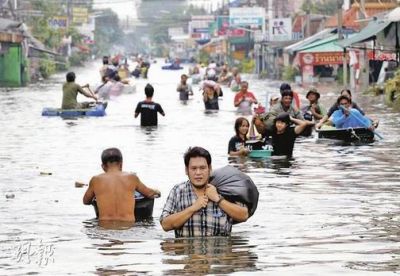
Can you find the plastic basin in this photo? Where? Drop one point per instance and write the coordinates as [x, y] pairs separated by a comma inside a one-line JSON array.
[[260, 153]]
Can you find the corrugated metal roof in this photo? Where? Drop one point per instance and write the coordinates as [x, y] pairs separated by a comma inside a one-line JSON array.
[[8, 25], [327, 47], [309, 40], [368, 33]]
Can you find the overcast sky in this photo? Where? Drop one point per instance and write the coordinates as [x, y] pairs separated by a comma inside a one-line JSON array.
[[123, 8]]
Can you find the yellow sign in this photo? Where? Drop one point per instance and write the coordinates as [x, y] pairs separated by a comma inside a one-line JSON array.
[[79, 15]]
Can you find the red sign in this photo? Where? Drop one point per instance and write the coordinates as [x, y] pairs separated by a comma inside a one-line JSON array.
[[382, 56], [325, 58], [236, 33]]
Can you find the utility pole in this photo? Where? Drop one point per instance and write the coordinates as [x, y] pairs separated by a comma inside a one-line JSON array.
[[340, 37], [69, 19], [308, 18], [363, 57]]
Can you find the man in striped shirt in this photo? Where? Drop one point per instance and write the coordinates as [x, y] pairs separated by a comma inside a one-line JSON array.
[[194, 208]]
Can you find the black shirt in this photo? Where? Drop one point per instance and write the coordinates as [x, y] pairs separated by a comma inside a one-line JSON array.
[[283, 143], [212, 104], [149, 112], [235, 144]]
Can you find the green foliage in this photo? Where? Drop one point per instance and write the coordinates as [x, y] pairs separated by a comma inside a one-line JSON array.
[[172, 14], [326, 7], [339, 77], [41, 30], [78, 59], [39, 25], [263, 74], [107, 32], [47, 67], [374, 90], [247, 66], [62, 64], [392, 91], [289, 73], [204, 57]]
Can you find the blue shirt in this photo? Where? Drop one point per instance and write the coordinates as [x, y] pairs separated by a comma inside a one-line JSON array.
[[354, 119]]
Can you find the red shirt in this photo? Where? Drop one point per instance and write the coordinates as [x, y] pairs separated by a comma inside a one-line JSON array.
[[247, 95]]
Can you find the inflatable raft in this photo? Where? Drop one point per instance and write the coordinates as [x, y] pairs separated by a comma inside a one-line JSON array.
[[143, 207], [98, 110], [172, 67]]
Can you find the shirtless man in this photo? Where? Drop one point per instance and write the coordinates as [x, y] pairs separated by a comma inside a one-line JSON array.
[[114, 190]]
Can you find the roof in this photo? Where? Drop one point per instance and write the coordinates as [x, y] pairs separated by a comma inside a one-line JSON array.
[[368, 33], [316, 37], [16, 27], [8, 25], [325, 45], [351, 16], [393, 15], [299, 22]]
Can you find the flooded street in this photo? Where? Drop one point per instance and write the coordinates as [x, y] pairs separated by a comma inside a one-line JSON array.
[[332, 210]]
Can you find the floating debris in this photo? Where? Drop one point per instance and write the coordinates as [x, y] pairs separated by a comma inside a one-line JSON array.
[[46, 173], [79, 184]]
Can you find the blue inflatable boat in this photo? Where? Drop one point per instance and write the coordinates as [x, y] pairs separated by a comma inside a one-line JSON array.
[[173, 66], [98, 110]]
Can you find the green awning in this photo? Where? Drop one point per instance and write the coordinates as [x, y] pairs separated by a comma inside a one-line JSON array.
[[327, 40], [291, 49], [327, 47], [368, 33]]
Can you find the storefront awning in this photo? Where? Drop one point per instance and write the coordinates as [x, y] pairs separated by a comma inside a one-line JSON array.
[[328, 44], [309, 40], [368, 33], [323, 52]]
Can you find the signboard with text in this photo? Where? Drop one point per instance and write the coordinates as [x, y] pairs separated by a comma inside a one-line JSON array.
[[280, 29], [58, 22], [323, 58], [253, 18], [382, 56], [223, 28], [79, 15], [199, 27]]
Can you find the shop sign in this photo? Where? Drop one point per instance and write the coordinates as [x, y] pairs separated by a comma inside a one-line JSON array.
[[382, 56], [247, 17], [58, 22], [223, 28], [325, 58], [80, 15]]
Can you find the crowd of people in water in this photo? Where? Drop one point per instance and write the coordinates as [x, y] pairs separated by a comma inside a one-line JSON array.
[[195, 208]]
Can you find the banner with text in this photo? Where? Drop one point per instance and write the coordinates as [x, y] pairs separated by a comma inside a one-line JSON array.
[[252, 18], [280, 29], [58, 22]]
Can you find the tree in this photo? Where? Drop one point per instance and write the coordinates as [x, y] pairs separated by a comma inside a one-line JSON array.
[[107, 32], [326, 7], [159, 17]]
